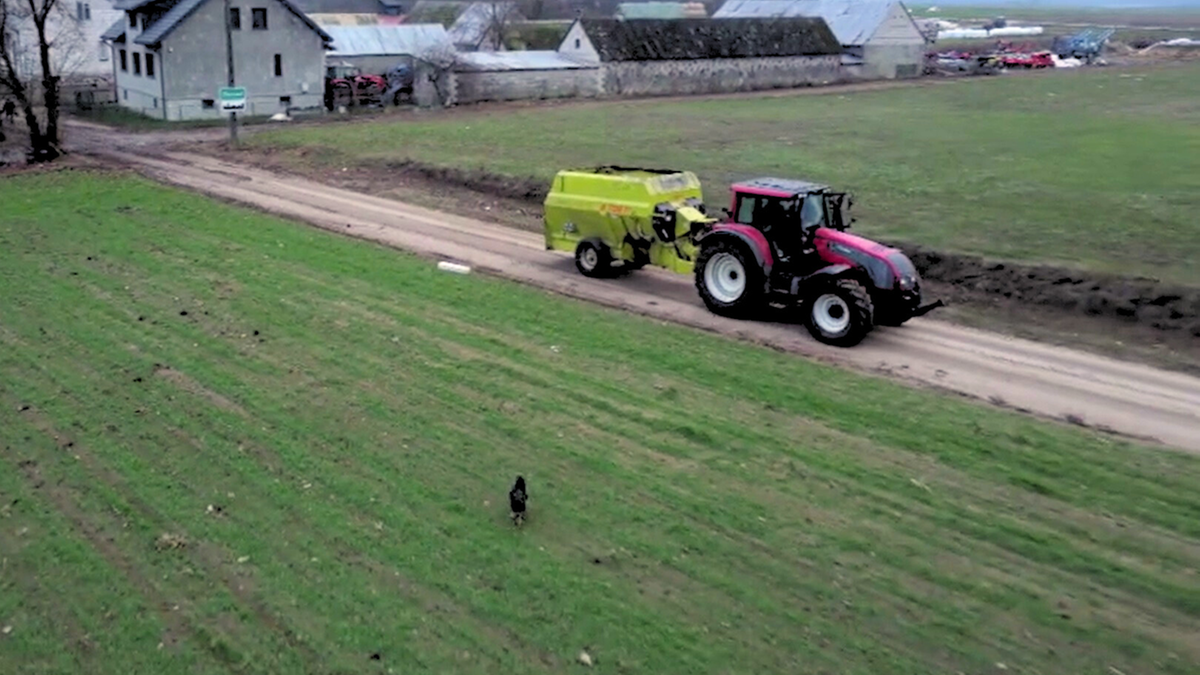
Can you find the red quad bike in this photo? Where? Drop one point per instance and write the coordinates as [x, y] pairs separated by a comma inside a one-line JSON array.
[[785, 244]]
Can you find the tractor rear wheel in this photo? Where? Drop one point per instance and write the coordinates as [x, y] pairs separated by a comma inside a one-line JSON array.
[[593, 260], [840, 313], [729, 279]]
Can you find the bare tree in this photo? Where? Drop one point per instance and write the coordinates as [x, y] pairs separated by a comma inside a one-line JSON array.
[[499, 16], [33, 81], [442, 60]]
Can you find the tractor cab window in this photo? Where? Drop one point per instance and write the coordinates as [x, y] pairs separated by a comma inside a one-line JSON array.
[[836, 207], [812, 214], [766, 212]]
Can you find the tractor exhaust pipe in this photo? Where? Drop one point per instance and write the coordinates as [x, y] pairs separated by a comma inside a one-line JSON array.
[[922, 311]]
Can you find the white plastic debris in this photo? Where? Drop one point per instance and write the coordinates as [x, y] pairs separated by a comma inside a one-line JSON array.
[[453, 267]]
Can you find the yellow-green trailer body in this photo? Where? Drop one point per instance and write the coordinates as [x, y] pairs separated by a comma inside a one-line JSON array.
[[617, 207]]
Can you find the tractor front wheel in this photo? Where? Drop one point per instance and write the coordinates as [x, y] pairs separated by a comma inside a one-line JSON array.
[[593, 260], [729, 279], [840, 313]]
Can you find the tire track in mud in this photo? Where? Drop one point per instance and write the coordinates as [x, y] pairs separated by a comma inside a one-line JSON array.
[[1054, 382]]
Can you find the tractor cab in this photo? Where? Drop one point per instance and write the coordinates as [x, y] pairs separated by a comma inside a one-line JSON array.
[[789, 213]]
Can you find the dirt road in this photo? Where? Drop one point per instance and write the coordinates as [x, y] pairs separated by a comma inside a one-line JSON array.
[[1050, 381]]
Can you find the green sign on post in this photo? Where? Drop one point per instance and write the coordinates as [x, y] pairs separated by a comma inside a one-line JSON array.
[[233, 99]]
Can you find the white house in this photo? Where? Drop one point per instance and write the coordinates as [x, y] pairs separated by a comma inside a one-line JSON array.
[[169, 56], [879, 34], [77, 50]]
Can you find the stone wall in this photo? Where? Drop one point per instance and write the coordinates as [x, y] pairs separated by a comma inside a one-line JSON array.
[[650, 78], [657, 78], [893, 61], [514, 85]]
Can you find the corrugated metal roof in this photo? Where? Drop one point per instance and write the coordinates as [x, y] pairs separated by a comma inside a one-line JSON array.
[[852, 21], [402, 40], [517, 60], [115, 32]]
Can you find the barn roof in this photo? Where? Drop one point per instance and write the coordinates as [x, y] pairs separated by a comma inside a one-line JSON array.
[[688, 39], [400, 40], [852, 21]]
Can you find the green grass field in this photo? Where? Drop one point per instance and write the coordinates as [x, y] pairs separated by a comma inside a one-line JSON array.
[[1098, 169], [309, 467]]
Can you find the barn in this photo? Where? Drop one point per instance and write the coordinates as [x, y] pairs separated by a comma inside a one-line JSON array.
[[378, 49], [651, 57], [880, 37]]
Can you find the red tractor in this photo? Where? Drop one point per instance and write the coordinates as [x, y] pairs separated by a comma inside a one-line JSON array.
[[1023, 60], [347, 86], [785, 243]]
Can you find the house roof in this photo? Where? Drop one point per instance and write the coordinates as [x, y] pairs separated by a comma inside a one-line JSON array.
[[685, 39], [401, 40], [516, 60], [852, 21], [181, 10], [115, 32], [471, 27]]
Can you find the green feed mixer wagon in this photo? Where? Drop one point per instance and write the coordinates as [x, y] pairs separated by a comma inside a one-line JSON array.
[[784, 243]]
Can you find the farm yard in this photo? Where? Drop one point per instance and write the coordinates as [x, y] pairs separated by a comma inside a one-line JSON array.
[[241, 432], [1013, 168], [236, 444]]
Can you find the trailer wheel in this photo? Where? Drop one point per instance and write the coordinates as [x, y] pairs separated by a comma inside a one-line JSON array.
[[840, 313], [729, 279], [593, 260]]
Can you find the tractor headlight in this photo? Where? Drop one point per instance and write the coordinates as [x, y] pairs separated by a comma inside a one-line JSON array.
[[907, 283]]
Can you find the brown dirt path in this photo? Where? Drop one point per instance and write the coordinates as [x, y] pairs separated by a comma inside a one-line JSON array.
[[1049, 381]]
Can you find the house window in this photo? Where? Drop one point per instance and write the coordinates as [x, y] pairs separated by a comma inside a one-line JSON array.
[[137, 63], [279, 65], [208, 104], [259, 18], [150, 66], [235, 18], [155, 101], [125, 92], [578, 43], [285, 100], [124, 62], [87, 12], [104, 52]]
